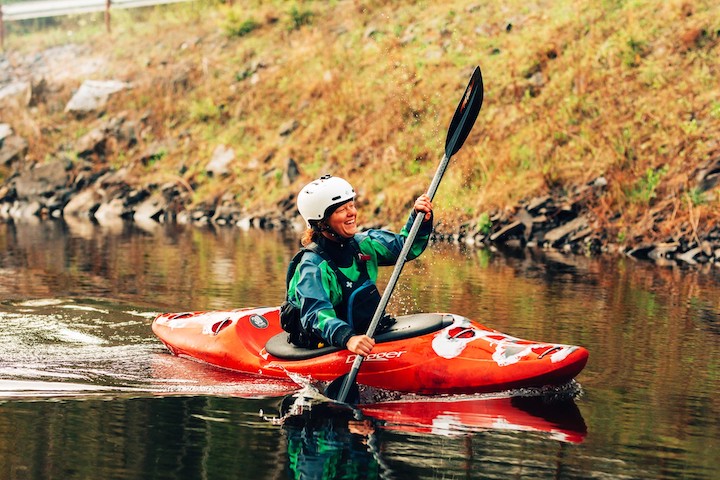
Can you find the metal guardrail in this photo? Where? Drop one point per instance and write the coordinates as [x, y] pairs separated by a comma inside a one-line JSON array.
[[56, 8]]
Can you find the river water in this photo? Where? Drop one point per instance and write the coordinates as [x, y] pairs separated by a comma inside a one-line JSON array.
[[87, 391]]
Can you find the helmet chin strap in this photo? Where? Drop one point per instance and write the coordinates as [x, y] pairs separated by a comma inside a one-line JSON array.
[[324, 228]]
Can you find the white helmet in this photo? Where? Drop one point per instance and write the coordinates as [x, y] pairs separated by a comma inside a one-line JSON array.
[[319, 195]]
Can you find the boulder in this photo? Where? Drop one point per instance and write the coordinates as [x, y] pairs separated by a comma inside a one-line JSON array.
[[93, 95], [110, 213], [83, 204], [92, 142], [505, 233], [556, 235], [150, 209], [18, 92], [13, 148], [41, 180], [220, 162]]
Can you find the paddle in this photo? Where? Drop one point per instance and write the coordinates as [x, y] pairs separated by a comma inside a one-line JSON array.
[[460, 126]]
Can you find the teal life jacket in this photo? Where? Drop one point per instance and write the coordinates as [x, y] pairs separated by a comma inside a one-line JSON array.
[[360, 299]]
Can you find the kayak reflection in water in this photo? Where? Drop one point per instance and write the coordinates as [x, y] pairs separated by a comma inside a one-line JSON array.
[[332, 295], [328, 441]]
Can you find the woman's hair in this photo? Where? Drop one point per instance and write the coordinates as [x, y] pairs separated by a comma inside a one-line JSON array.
[[309, 236]]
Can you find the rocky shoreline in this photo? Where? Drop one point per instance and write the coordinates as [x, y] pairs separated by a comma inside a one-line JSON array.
[[63, 189], [78, 181]]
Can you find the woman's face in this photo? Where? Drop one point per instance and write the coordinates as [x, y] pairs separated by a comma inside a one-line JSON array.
[[342, 220]]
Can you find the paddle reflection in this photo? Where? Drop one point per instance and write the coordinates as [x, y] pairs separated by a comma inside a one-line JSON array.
[[331, 441]]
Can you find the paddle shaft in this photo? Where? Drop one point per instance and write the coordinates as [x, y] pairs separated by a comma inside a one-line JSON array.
[[419, 218], [460, 126]]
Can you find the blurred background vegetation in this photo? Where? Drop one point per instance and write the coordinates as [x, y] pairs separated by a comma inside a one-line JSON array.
[[575, 90]]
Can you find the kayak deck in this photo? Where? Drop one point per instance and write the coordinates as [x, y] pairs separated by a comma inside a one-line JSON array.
[[404, 327]]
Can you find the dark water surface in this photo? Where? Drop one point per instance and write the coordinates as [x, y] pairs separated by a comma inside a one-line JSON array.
[[87, 392]]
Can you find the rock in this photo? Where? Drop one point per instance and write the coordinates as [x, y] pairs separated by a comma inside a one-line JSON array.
[[93, 95], [600, 182], [708, 176], [110, 213], [641, 251], [288, 127], [662, 251], [151, 209], [83, 204], [537, 80], [527, 221], [291, 173], [244, 223], [23, 210], [538, 205], [5, 131], [580, 234], [219, 163], [19, 92], [689, 256], [226, 213], [135, 196], [556, 235], [113, 177], [92, 142], [41, 180], [13, 148], [502, 235], [706, 248]]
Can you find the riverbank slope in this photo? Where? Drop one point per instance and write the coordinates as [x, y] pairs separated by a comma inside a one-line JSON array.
[[599, 129]]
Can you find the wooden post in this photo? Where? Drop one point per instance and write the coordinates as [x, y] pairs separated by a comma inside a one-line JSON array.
[[107, 15]]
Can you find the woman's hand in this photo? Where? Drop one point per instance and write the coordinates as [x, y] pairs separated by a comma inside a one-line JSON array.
[[360, 344], [424, 205]]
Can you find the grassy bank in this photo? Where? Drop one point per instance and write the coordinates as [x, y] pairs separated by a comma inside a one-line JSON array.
[[575, 90]]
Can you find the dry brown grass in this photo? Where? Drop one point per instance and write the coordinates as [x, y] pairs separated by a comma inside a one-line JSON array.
[[573, 90]]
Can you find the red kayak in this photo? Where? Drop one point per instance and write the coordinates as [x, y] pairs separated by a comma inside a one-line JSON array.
[[428, 353]]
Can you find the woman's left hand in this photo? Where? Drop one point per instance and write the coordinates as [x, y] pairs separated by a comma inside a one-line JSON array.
[[424, 204]]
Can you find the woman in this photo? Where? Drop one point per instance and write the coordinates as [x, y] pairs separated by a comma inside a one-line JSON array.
[[332, 288]]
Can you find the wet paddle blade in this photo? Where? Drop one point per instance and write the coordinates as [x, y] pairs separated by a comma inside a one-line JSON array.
[[333, 390], [465, 114]]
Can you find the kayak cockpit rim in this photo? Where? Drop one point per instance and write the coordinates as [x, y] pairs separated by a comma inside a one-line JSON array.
[[405, 326]]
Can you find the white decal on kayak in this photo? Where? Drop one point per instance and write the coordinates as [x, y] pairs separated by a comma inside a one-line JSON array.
[[450, 346], [562, 354], [376, 357], [509, 353], [451, 341]]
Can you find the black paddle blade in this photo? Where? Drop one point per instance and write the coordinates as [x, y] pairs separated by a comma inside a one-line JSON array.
[[465, 114], [333, 391]]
